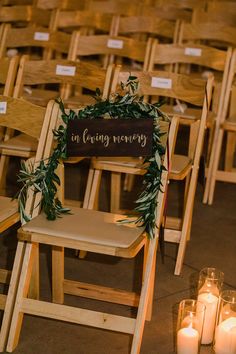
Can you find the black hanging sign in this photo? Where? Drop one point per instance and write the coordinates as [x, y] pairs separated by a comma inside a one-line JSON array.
[[109, 137]]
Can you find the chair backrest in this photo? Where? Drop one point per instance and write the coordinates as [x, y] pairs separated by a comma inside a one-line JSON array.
[[23, 14], [111, 47], [65, 73], [152, 25], [61, 4], [203, 57], [206, 31], [69, 20], [166, 12], [35, 37], [115, 7], [182, 4], [214, 15], [196, 92]]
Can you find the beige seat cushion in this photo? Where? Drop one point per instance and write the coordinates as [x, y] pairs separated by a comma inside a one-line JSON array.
[[89, 226], [21, 142], [8, 207], [180, 166]]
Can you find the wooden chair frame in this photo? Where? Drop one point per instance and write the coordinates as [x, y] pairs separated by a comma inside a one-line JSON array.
[[176, 230], [57, 310], [31, 124], [224, 124]]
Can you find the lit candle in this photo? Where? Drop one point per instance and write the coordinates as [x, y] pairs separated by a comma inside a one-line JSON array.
[[225, 337], [187, 340], [211, 303]]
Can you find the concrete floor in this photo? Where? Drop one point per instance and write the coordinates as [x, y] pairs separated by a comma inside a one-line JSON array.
[[213, 243]]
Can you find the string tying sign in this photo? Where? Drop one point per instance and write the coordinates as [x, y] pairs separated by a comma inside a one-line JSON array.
[[109, 137]]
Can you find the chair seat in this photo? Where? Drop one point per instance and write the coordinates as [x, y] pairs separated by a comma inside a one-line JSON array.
[[87, 226], [40, 97], [79, 101], [8, 208], [188, 115], [132, 165], [180, 167], [21, 142]]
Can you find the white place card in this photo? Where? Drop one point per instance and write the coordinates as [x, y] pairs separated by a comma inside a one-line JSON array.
[[161, 82], [115, 43], [65, 70], [3, 107], [41, 36], [195, 52]]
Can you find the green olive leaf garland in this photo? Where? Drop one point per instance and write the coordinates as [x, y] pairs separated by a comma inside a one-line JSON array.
[[124, 104]]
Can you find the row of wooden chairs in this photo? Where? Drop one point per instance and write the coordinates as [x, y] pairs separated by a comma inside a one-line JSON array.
[[102, 12], [194, 92]]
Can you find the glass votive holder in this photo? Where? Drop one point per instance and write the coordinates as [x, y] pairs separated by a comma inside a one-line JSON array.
[[209, 287], [189, 326], [225, 332]]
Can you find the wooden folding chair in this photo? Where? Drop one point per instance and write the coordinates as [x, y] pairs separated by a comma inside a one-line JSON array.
[[224, 124], [105, 237], [28, 118], [67, 74], [199, 59], [197, 92]]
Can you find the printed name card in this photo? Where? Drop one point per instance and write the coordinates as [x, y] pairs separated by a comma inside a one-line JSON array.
[[41, 36], [3, 107], [65, 70], [161, 82], [115, 43], [109, 137], [195, 52]]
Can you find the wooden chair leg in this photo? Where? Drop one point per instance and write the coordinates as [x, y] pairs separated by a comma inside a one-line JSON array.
[[230, 150], [91, 196], [129, 182], [144, 298], [57, 274], [215, 167], [210, 166], [23, 287], [10, 300], [34, 280], [4, 161], [186, 222], [115, 195]]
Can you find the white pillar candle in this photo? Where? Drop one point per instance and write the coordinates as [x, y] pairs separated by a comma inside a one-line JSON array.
[[225, 337], [211, 303], [187, 341]]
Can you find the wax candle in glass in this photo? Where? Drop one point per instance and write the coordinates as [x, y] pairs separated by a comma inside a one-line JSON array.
[[225, 332], [189, 326], [209, 287]]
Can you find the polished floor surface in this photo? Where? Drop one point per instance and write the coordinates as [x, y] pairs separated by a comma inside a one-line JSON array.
[[213, 243]]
